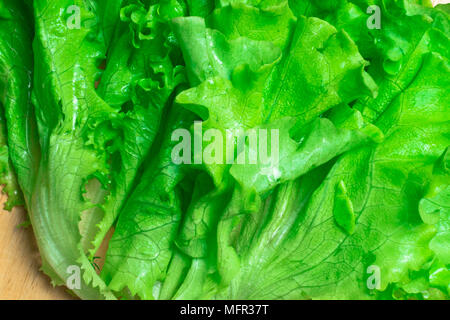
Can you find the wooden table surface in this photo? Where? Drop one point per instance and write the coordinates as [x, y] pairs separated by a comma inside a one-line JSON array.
[[20, 277]]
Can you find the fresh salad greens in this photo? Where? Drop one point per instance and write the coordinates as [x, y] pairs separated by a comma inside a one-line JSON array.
[[234, 149]]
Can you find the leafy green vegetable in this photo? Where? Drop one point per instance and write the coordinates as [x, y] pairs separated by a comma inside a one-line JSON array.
[[19, 140], [244, 149], [385, 184], [8, 178]]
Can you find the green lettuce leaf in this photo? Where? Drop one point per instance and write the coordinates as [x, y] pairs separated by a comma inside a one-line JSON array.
[[313, 257], [93, 143], [19, 142]]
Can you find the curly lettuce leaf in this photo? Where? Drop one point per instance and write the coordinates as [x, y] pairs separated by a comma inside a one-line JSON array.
[[317, 143], [138, 83], [273, 24], [141, 247], [19, 143], [247, 89], [312, 256], [93, 143]]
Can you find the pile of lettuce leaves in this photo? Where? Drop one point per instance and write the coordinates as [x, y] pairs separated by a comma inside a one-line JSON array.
[[356, 207]]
